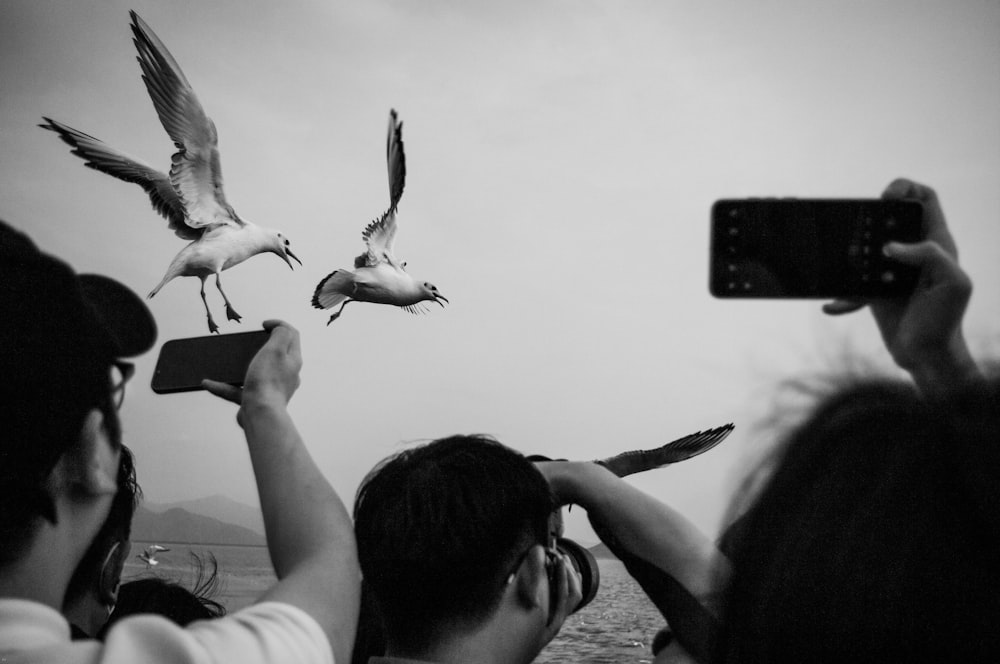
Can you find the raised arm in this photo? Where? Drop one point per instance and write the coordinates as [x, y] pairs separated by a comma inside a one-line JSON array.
[[677, 565], [923, 330], [309, 532]]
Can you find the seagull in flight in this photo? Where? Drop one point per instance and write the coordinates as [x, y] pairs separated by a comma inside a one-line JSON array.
[[378, 276], [191, 197], [149, 555]]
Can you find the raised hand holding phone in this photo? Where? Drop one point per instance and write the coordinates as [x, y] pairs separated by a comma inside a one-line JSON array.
[[922, 328]]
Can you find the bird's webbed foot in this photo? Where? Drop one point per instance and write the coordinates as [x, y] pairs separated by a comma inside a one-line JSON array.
[[212, 327], [232, 315]]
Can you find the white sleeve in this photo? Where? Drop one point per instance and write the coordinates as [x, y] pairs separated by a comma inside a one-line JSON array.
[[265, 633]]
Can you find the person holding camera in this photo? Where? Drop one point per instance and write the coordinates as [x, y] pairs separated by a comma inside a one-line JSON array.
[[458, 555], [64, 336]]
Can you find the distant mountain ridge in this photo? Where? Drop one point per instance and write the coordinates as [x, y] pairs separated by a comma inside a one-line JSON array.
[[218, 507], [179, 525], [602, 551]]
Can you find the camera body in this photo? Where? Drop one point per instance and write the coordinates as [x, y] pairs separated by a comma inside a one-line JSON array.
[[184, 363], [811, 248]]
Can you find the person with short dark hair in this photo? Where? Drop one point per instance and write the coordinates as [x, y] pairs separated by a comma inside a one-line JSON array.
[[63, 336], [454, 545]]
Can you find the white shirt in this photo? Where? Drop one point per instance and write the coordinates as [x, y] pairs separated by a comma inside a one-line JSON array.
[[265, 633]]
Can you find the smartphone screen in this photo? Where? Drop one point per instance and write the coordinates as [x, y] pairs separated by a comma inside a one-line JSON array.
[[810, 248], [184, 363]]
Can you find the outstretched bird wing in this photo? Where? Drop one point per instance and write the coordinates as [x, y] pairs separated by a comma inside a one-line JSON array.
[[195, 170], [637, 461], [102, 157], [380, 233], [395, 159]]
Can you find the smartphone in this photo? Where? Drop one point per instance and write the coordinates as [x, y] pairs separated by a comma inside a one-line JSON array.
[[184, 363], [810, 248]]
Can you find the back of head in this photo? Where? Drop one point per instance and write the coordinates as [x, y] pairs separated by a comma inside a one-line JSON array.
[[59, 333], [171, 599], [876, 538], [440, 527]]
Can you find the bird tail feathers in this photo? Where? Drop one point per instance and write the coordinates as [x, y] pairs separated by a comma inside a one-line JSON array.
[[333, 289]]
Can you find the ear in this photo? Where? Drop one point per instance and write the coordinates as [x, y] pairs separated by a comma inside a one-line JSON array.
[[111, 573], [531, 584], [90, 467]]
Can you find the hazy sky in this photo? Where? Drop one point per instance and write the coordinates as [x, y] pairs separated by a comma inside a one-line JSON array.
[[562, 159]]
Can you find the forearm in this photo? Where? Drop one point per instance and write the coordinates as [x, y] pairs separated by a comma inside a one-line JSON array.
[[310, 536], [303, 516], [950, 368], [647, 528]]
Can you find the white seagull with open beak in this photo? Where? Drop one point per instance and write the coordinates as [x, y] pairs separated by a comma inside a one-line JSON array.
[[191, 197], [378, 277]]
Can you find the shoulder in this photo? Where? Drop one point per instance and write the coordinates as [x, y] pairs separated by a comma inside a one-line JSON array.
[[265, 633]]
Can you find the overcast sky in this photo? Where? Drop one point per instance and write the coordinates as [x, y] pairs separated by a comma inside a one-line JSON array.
[[562, 159]]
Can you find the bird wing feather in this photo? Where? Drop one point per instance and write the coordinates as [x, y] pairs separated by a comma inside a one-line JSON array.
[[379, 235], [102, 157], [637, 461], [195, 171], [395, 159]]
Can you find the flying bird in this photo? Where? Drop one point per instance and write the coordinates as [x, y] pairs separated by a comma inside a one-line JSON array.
[[149, 555], [191, 197], [378, 276], [638, 461]]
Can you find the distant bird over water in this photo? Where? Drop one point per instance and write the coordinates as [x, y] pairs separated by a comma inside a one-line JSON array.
[[191, 197], [378, 277], [149, 555]]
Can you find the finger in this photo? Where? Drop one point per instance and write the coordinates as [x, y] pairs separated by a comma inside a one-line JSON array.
[[574, 590], [286, 337], [918, 254], [558, 613], [937, 267], [841, 307], [934, 225], [223, 390]]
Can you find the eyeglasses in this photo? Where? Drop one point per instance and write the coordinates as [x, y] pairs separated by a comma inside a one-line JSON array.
[[120, 374]]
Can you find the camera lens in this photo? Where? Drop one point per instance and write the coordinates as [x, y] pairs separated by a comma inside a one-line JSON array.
[[585, 564]]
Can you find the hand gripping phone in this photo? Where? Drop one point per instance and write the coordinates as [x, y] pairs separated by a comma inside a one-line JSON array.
[[184, 363], [810, 248]]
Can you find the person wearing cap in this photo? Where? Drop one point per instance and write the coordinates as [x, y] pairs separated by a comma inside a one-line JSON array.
[[63, 337]]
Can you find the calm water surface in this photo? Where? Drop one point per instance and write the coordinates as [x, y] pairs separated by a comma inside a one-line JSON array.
[[618, 626]]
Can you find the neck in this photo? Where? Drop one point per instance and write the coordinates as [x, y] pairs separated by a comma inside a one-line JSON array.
[[500, 640], [42, 574]]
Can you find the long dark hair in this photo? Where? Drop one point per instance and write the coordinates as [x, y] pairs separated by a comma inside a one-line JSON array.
[[876, 536]]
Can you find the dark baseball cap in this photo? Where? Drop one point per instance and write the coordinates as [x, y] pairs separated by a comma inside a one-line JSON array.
[[60, 334]]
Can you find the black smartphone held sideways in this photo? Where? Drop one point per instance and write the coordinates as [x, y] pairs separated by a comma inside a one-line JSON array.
[[184, 363], [811, 247]]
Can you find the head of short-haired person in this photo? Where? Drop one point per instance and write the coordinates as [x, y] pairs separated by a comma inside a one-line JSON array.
[[60, 443], [452, 540], [93, 590]]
